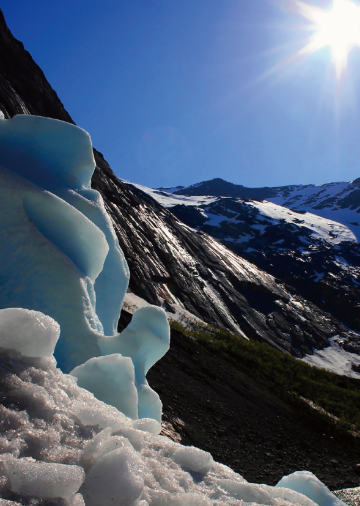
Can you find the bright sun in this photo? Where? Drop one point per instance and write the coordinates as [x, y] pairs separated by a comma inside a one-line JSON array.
[[338, 28]]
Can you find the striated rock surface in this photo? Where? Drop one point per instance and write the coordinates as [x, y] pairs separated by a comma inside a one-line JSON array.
[[315, 250]]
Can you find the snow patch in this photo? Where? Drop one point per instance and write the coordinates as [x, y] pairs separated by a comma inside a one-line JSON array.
[[334, 358]]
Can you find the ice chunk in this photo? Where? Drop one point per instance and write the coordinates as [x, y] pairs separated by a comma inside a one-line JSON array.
[[135, 437], [288, 495], [308, 484], [149, 403], [30, 333], [102, 444], [193, 459], [77, 500], [115, 479], [112, 380], [69, 230], [42, 479], [36, 275], [60, 255], [47, 152], [145, 340], [147, 425], [52, 251]]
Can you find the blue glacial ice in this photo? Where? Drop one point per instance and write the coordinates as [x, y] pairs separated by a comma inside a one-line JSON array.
[[60, 256]]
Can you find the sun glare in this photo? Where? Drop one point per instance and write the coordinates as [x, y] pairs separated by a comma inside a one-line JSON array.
[[338, 28]]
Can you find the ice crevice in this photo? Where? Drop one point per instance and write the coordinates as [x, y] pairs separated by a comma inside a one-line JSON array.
[[89, 438]]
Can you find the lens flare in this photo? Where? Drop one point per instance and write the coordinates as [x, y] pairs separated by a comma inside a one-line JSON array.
[[338, 27]]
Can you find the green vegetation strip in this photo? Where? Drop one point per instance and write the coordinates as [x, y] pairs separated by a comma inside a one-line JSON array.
[[282, 374]]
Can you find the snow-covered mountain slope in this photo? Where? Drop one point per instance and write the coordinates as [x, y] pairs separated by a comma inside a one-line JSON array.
[[335, 201], [210, 207], [317, 256], [334, 358]]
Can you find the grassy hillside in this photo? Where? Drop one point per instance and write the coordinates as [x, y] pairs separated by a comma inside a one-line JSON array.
[[281, 374]]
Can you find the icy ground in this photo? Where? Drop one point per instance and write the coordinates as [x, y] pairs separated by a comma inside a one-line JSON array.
[[60, 446]]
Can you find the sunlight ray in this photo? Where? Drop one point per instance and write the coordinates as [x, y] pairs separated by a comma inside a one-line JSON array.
[[338, 28]]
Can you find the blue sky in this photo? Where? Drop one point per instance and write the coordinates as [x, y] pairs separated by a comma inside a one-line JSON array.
[[180, 91]]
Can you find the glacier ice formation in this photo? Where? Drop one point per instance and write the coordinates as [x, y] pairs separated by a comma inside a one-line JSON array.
[[60, 446], [60, 261], [59, 255]]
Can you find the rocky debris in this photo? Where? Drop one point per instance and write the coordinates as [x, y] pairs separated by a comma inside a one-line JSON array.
[[349, 496], [355, 367]]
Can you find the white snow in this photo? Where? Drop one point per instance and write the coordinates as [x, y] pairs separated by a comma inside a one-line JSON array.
[[311, 197], [45, 480], [330, 231], [133, 302], [29, 333], [334, 358], [65, 443], [167, 199], [329, 225]]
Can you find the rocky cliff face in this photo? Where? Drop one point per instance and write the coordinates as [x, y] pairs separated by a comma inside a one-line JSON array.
[[169, 262]]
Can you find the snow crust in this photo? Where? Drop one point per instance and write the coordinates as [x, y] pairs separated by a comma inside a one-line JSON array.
[[69, 448], [42, 479], [334, 358], [29, 333]]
